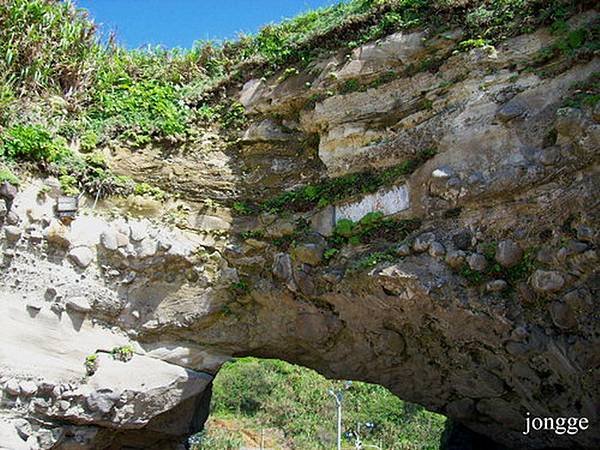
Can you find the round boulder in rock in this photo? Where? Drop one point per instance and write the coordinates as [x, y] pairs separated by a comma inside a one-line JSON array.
[[12, 387], [456, 259], [8, 191], [81, 256], [477, 262], [508, 253], [436, 249], [423, 242], [562, 316], [12, 233], [545, 281], [496, 286], [108, 239]]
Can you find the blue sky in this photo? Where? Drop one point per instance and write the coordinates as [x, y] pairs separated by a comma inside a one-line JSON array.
[[178, 23]]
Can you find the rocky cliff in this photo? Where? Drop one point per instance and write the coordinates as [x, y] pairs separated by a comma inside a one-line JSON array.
[[419, 212]]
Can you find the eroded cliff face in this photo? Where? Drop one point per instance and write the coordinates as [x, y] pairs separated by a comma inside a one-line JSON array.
[[475, 295]]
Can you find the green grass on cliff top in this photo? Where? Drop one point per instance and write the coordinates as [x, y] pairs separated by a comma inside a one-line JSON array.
[[271, 394], [59, 79]]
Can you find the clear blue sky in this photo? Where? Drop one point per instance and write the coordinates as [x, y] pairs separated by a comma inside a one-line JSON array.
[[178, 23]]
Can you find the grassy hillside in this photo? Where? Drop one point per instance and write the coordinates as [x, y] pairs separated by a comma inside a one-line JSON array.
[[292, 405]]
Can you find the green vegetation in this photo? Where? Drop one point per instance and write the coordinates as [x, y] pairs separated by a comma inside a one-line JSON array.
[[569, 43], [472, 43], [270, 394], [586, 93], [240, 287], [7, 175], [372, 226], [512, 275], [91, 364], [334, 189], [373, 259], [123, 353]]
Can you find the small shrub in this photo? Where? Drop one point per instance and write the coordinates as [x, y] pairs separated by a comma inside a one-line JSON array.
[[123, 353], [68, 185], [33, 143], [91, 364], [8, 176], [471, 43], [240, 287], [351, 85], [145, 189]]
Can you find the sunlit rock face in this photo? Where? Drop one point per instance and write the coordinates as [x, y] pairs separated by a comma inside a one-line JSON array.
[[484, 309]]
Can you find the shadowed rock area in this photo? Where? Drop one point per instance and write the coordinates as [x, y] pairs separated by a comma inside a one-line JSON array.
[[463, 277]]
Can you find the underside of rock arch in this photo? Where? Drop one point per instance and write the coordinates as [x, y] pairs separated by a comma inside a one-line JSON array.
[[471, 287]]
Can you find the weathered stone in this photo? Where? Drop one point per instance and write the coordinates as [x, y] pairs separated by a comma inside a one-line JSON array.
[[280, 228], [49, 439], [209, 223], [78, 304], [58, 235], [81, 256], [265, 131], [585, 233], [545, 281], [12, 233], [456, 259], [137, 231], [102, 402], [147, 248], [324, 221], [511, 110], [508, 253], [544, 255], [496, 286], [403, 250], [282, 266], [12, 218], [108, 239], [309, 253], [8, 191], [122, 240], [477, 262], [305, 280], [12, 387], [579, 300], [27, 388], [562, 315], [23, 427], [436, 249], [36, 236], [423, 241], [462, 240], [3, 211]]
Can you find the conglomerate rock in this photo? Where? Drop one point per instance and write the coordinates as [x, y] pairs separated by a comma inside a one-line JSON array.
[[113, 327]]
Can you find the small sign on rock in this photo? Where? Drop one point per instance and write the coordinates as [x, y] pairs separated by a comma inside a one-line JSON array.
[[67, 206]]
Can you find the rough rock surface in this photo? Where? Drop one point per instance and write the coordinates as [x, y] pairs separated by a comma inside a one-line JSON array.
[[475, 330]]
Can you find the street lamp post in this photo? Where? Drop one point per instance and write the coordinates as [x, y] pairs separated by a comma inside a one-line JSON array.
[[338, 397]]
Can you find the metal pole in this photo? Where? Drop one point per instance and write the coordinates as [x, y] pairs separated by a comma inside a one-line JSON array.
[[339, 423], [338, 402]]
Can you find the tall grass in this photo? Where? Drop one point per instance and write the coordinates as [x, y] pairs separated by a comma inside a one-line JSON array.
[[46, 45]]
